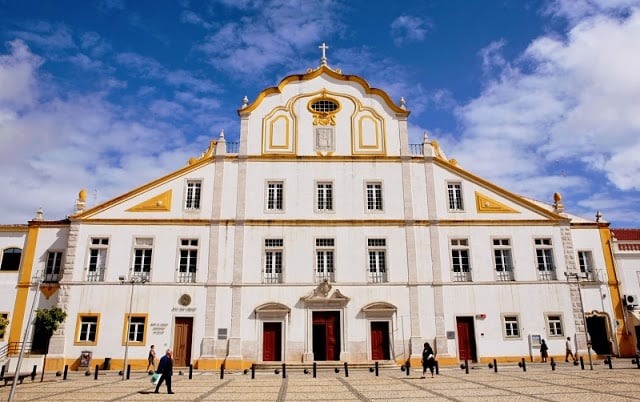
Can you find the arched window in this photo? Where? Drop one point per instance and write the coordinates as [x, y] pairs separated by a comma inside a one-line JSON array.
[[11, 259]]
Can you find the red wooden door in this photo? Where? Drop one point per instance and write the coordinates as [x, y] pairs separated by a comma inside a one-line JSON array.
[[380, 340], [182, 341], [271, 341], [326, 335], [466, 338]]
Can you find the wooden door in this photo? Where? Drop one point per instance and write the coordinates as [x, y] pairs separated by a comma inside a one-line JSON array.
[[466, 338], [271, 341], [380, 340], [326, 335], [182, 337]]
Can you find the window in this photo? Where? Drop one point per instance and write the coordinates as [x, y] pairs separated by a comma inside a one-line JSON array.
[[324, 197], [503, 260], [273, 260], [377, 260], [544, 260], [3, 330], [192, 199], [87, 329], [135, 328], [324, 259], [11, 259], [52, 270], [142, 252], [454, 191], [188, 260], [554, 324], [275, 196], [97, 259], [460, 260], [374, 197], [324, 106], [511, 327], [585, 260]]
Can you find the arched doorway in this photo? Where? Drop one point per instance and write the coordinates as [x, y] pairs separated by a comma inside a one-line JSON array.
[[599, 333]]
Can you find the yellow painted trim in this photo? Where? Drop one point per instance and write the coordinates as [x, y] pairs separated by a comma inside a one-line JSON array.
[[13, 228], [125, 329], [161, 202], [24, 284], [485, 204], [287, 134], [316, 73], [79, 318], [361, 143], [49, 289]]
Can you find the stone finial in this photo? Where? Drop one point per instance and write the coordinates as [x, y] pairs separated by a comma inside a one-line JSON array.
[[403, 103], [221, 136], [39, 215], [82, 195], [558, 206], [81, 202], [245, 102], [425, 137]]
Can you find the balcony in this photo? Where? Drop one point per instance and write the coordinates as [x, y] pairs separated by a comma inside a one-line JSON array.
[[186, 277], [547, 275], [272, 277], [322, 276], [377, 277], [506, 275], [95, 275], [51, 278], [462, 276]]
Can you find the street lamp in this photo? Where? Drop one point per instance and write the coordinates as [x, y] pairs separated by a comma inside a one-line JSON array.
[[132, 280], [584, 318], [35, 282]]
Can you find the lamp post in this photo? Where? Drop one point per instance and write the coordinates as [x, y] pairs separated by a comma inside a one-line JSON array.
[[584, 318], [132, 280], [35, 282]]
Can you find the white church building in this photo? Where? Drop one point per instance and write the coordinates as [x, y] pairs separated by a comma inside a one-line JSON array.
[[322, 235]]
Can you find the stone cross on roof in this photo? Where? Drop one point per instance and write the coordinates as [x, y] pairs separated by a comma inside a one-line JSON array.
[[323, 60]]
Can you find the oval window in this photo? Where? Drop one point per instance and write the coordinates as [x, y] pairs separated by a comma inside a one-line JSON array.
[[324, 106]]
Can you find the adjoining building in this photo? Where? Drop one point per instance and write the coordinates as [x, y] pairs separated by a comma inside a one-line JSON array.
[[322, 235]]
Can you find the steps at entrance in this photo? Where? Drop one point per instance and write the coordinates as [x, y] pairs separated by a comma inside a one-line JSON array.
[[325, 365]]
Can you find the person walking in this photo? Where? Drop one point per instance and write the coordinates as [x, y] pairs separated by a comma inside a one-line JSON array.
[[165, 368], [428, 359], [152, 358], [569, 350], [544, 351]]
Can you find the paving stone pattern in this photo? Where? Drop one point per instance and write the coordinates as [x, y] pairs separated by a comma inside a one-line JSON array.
[[538, 383]]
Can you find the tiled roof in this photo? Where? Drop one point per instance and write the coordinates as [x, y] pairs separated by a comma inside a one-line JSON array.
[[629, 247], [626, 234]]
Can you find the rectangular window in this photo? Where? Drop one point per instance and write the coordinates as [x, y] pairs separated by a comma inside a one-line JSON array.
[[374, 197], [544, 260], [503, 260], [273, 249], [454, 192], [135, 328], [585, 260], [87, 329], [324, 259], [511, 327], [52, 269], [554, 324], [324, 196], [377, 260], [142, 253], [11, 259], [192, 198], [275, 196], [97, 259], [188, 260], [460, 260], [3, 330]]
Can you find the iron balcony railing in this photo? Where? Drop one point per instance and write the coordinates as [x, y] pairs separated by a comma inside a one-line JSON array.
[[462, 276], [377, 277], [547, 274], [186, 277], [505, 275], [95, 275], [272, 277]]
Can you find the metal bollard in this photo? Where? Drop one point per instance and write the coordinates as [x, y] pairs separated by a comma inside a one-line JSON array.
[[553, 365], [128, 371], [222, 371], [66, 368], [284, 370], [190, 371], [95, 375], [437, 367], [346, 369], [2, 372], [638, 361], [253, 371], [33, 372], [608, 361], [377, 368], [314, 369], [524, 365], [495, 366], [581, 363]]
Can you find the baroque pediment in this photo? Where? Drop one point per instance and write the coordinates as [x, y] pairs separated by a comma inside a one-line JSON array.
[[324, 295]]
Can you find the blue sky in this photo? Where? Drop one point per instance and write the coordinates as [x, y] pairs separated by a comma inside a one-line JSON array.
[[535, 96]]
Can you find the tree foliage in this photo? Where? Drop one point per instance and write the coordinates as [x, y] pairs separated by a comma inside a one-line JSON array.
[[48, 320]]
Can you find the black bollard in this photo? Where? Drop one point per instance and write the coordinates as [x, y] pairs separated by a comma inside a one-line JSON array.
[[553, 365], [33, 372], [638, 361], [524, 364], [128, 371], [437, 367], [581, 362], [2, 372], [466, 366], [222, 371], [377, 368], [314, 369], [95, 375], [495, 366], [253, 371], [284, 370], [346, 369], [608, 361], [66, 368], [190, 371], [408, 366]]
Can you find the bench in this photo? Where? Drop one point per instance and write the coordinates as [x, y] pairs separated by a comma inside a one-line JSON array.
[[21, 377]]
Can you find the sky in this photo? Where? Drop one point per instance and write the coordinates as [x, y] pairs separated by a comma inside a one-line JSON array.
[[535, 96]]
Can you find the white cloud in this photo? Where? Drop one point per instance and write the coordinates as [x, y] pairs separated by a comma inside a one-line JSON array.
[[576, 10], [18, 76], [407, 28]]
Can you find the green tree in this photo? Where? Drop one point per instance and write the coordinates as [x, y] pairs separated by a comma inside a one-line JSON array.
[[3, 325], [46, 323]]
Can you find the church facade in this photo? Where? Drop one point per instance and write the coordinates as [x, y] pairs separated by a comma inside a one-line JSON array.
[[322, 235]]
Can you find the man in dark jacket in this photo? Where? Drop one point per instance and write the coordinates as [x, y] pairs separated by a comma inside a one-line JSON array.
[[165, 367]]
